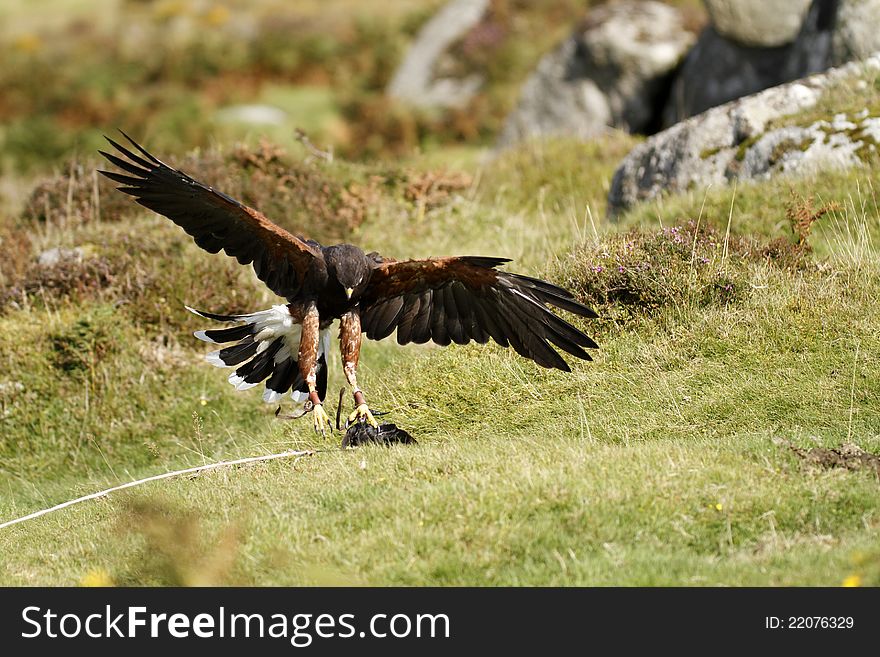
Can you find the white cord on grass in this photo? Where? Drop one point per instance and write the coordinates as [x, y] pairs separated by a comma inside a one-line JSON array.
[[167, 475]]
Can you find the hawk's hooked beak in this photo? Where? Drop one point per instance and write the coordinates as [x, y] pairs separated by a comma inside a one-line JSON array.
[[348, 292]]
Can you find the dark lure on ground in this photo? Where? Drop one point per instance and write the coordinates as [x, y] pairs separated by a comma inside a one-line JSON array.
[[362, 433], [358, 432]]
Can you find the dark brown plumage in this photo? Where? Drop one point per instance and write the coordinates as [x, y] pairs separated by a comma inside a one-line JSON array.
[[456, 299], [465, 298]]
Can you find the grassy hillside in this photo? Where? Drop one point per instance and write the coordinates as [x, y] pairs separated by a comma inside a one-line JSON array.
[[738, 330], [665, 461]]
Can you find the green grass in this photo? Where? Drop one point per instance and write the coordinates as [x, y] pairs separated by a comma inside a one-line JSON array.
[[660, 463], [656, 464]]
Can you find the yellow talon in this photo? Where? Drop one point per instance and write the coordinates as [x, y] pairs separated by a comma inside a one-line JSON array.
[[322, 420], [362, 412]]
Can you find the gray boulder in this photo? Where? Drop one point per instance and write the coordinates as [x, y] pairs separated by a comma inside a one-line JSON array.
[[719, 69], [610, 72], [417, 80], [733, 141], [730, 60], [758, 23], [857, 30]]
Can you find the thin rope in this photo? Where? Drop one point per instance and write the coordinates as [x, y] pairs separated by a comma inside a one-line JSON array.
[[166, 475]]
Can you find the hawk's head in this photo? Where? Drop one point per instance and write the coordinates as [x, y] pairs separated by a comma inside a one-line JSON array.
[[349, 267]]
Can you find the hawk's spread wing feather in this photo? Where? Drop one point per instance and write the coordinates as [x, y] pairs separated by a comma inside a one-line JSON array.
[[465, 298], [215, 220]]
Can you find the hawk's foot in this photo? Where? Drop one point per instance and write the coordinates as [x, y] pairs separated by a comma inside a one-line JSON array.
[[362, 414], [322, 420]]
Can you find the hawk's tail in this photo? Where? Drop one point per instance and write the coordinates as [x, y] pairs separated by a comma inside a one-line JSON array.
[[264, 347]]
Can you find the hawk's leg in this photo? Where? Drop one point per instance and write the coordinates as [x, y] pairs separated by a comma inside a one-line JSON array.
[[350, 345], [308, 365]]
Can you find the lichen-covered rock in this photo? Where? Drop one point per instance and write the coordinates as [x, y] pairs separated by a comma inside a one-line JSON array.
[[734, 142], [416, 81], [758, 23], [840, 143], [611, 72]]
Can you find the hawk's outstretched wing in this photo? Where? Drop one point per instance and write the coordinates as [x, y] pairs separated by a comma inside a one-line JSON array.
[[466, 298], [216, 221]]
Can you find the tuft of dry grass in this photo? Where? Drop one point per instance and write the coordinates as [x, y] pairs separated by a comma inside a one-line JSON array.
[[73, 277], [802, 214], [16, 246], [78, 195]]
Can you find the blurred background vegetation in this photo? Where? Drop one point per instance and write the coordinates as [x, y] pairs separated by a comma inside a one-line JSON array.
[[167, 69], [170, 70]]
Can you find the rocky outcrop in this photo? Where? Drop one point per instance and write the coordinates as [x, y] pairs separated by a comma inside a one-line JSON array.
[[720, 68], [751, 45], [839, 143], [613, 71], [751, 138], [758, 23], [417, 81]]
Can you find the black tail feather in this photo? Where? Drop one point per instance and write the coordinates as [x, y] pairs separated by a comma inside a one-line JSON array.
[[280, 374], [283, 376], [239, 353], [221, 336]]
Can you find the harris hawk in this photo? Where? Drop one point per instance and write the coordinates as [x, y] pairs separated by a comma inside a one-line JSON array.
[[444, 300]]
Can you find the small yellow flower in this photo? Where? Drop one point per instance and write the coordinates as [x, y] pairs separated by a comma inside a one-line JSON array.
[[203, 401], [96, 578], [216, 16], [29, 43], [719, 506], [852, 581], [170, 9]]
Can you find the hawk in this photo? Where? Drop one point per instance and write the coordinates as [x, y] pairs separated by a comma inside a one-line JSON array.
[[451, 299]]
